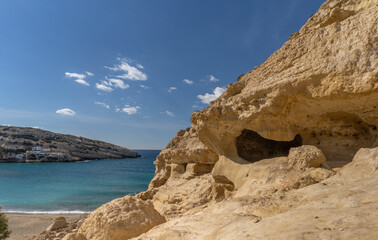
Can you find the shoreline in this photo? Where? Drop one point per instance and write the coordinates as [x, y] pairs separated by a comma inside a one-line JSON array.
[[26, 225]]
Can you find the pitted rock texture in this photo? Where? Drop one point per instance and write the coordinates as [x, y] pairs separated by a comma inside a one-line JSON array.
[[321, 85], [184, 148], [122, 218], [272, 157], [340, 207]]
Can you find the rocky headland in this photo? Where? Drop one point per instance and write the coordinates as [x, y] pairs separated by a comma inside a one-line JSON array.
[[289, 151], [20, 144]]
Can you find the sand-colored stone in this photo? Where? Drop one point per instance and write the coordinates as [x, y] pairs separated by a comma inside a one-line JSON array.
[[337, 208], [74, 236], [59, 222], [321, 85], [178, 196], [122, 218], [319, 90], [184, 148], [306, 156]]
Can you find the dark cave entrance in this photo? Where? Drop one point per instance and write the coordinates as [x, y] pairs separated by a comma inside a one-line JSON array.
[[252, 147]]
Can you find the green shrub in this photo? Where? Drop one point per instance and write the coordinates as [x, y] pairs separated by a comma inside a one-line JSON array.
[[4, 232]]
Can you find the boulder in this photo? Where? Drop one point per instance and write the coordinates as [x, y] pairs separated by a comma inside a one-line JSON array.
[[306, 156], [57, 223], [121, 219]]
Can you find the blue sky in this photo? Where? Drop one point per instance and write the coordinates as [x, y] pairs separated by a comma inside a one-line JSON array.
[[131, 72]]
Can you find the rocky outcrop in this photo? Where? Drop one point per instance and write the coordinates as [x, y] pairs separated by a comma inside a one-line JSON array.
[[276, 148], [14, 140], [60, 228], [182, 179], [122, 218], [321, 87], [337, 208]]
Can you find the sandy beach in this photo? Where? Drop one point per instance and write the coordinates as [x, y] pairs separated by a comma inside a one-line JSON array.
[[24, 226]]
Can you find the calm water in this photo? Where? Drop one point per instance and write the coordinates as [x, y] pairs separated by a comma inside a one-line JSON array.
[[72, 187]]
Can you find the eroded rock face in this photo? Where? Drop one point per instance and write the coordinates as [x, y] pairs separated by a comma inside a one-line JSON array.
[[321, 85], [185, 148], [264, 153], [122, 218], [337, 208]]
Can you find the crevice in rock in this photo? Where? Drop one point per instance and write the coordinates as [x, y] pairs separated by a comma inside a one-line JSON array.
[[253, 147]]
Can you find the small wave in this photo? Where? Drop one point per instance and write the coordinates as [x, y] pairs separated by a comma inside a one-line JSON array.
[[56, 212]]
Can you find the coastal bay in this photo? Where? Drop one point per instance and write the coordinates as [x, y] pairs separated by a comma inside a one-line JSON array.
[[72, 187]]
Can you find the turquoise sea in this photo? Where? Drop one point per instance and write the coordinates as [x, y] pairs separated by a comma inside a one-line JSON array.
[[74, 187]]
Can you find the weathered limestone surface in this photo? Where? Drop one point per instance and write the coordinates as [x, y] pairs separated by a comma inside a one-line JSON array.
[[122, 218], [337, 208], [321, 85], [272, 157]]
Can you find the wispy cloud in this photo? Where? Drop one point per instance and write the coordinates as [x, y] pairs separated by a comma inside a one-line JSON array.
[[79, 77], [110, 84], [144, 86], [130, 110], [140, 66], [172, 89], [103, 104], [66, 112], [89, 74], [118, 83], [103, 87], [213, 79], [128, 71], [169, 113], [195, 106], [187, 81], [82, 82], [208, 97], [75, 75]]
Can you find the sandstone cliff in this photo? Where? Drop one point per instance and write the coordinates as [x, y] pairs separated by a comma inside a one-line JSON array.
[[289, 151]]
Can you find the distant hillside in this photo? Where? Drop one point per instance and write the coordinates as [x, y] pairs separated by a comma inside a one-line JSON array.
[[29, 144]]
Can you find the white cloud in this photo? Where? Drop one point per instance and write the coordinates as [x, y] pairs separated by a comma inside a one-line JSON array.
[[213, 79], [195, 106], [82, 81], [140, 66], [89, 74], [66, 112], [75, 75], [172, 89], [144, 86], [103, 87], [36, 127], [118, 83], [208, 97], [129, 72], [187, 81], [169, 113], [103, 104], [79, 77], [130, 110], [110, 84]]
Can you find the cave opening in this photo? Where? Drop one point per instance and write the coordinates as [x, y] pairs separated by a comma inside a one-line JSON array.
[[253, 147]]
